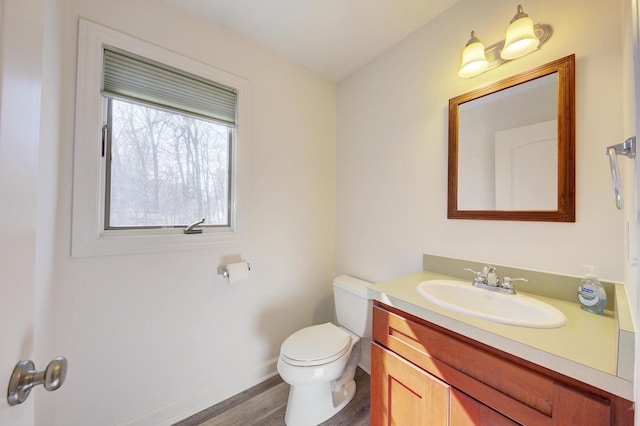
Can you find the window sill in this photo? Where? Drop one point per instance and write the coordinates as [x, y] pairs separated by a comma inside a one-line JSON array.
[[124, 242]]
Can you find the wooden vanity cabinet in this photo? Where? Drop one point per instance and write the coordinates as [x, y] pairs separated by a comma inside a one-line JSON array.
[[422, 374]]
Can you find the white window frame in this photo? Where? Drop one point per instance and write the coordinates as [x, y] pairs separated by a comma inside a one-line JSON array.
[[88, 235]]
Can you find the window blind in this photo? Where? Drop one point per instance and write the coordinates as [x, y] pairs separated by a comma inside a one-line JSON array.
[[139, 79]]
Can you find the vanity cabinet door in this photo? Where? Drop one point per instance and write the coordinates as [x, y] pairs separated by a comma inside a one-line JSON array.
[[577, 408], [403, 394]]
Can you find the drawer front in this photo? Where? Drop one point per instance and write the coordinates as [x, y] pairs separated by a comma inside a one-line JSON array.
[[466, 411], [481, 374]]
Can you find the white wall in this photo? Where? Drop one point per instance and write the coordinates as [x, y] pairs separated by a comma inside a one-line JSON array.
[[392, 147], [631, 99], [152, 338]]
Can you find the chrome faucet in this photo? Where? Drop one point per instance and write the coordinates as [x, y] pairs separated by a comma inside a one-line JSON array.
[[492, 276], [488, 279]]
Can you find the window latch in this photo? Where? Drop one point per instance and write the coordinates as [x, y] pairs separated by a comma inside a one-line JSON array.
[[105, 135], [191, 229]]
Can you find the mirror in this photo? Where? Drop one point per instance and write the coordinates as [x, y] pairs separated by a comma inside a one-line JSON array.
[[512, 148]]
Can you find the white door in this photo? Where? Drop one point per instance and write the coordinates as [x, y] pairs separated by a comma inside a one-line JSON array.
[[526, 167], [21, 27]]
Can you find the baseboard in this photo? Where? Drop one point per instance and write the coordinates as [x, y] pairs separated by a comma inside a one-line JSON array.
[[175, 411]]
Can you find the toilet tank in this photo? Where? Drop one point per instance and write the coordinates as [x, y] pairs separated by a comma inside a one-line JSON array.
[[353, 306]]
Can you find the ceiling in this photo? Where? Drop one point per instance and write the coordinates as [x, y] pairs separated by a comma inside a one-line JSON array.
[[332, 38]]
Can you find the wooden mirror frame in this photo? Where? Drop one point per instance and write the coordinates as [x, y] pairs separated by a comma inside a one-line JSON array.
[[565, 68]]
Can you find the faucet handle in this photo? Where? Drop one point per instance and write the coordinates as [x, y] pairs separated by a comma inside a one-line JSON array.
[[478, 277], [507, 282], [471, 270]]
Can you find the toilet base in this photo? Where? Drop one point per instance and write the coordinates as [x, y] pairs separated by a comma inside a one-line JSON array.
[[313, 403]]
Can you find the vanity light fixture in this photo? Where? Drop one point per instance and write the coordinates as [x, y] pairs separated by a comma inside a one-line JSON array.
[[522, 38], [474, 61]]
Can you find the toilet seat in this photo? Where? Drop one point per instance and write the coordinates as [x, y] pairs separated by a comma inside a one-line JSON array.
[[315, 345]]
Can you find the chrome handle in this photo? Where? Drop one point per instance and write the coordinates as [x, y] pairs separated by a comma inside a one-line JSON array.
[[507, 282], [478, 278], [516, 279], [471, 270], [25, 377], [191, 229]]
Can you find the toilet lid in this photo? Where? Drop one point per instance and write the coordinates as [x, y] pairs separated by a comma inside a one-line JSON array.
[[318, 344]]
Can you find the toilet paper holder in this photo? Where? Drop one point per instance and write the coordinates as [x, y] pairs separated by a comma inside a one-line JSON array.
[[222, 270]]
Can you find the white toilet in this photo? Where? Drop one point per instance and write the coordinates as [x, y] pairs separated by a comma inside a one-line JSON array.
[[319, 362]]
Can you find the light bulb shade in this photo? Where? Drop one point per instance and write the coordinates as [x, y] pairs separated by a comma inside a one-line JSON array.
[[474, 61], [521, 38]]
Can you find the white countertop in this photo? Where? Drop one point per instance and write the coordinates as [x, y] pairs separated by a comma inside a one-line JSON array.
[[586, 348]]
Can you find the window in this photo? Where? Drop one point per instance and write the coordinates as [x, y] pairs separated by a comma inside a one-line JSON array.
[[158, 146], [165, 169], [168, 143]]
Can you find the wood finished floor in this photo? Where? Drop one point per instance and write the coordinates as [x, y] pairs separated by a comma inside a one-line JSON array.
[[265, 404]]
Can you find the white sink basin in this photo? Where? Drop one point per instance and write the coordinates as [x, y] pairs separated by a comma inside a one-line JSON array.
[[516, 309]]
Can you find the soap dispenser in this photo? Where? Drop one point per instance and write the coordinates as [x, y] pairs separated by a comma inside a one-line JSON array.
[[591, 293]]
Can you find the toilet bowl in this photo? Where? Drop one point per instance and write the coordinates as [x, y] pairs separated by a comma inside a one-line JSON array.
[[319, 362]]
